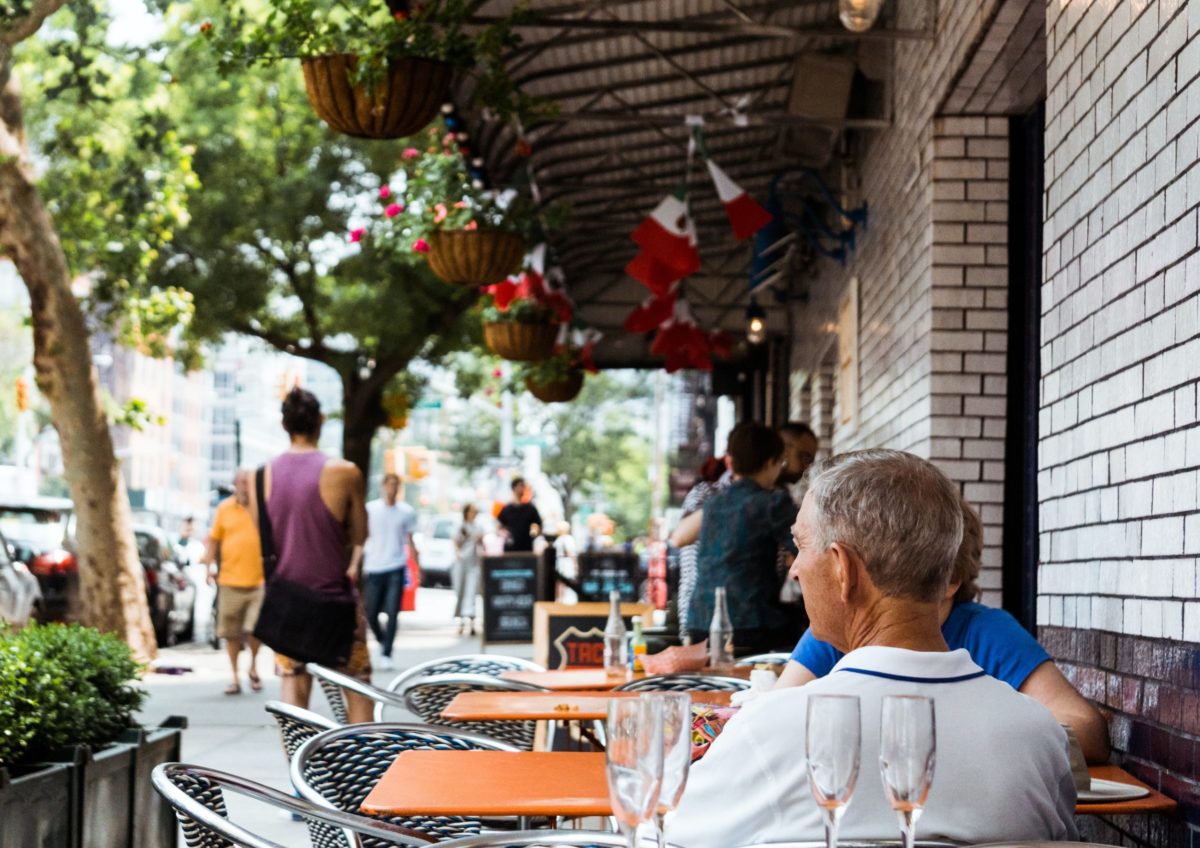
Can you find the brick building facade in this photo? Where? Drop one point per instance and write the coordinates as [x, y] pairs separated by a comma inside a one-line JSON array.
[[1087, 473]]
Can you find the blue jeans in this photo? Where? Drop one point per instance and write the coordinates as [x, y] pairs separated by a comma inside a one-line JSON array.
[[383, 592]]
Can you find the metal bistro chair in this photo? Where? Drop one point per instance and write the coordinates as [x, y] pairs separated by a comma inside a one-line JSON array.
[[297, 726], [428, 696], [774, 658], [197, 795], [685, 683], [333, 682], [338, 768], [492, 665]]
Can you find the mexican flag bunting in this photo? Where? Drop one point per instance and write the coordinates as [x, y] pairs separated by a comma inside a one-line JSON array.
[[668, 236], [652, 274], [745, 215], [651, 314]]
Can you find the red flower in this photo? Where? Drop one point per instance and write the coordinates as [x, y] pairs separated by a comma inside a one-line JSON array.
[[400, 15], [420, 246], [497, 373], [384, 193], [410, 153], [393, 209], [471, 225], [356, 235]]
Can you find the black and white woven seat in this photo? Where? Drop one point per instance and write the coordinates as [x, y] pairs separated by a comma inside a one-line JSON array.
[[340, 767], [426, 697], [197, 795], [773, 658], [685, 683], [297, 726], [334, 682], [492, 665]]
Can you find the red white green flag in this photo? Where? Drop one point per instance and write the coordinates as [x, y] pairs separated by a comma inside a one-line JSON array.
[[668, 236], [745, 215]]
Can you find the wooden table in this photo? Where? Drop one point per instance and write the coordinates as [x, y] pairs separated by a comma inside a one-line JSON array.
[[538, 783], [1155, 802], [560, 706]]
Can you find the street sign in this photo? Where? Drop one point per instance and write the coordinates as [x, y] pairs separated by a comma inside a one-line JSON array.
[[529, 442], [428, 404]]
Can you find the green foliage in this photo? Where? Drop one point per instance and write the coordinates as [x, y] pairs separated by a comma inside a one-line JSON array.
[[471, 441], [520, 311], [63, 685], [243, 36], [553, 369], [135, 413]]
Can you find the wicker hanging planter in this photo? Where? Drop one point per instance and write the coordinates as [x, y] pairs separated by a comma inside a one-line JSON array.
[[402, 103], [474, 257], [558, 391], [519, 342]]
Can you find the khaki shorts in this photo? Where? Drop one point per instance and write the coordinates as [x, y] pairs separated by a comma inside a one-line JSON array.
[[358, 666], [237, 610]]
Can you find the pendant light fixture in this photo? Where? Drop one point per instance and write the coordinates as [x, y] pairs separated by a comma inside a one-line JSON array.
[[756, 323], [859, 15]]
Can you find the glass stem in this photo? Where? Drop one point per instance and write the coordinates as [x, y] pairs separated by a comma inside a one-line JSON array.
[[660, 828], [908, 826], [630, 834], [833, 818]]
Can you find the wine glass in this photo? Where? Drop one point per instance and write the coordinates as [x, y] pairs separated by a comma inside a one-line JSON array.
[[907, 745], [634, 761], [833, 739], [677, 753]]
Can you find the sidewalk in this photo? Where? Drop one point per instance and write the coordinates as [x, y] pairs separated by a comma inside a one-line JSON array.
[[235, 734]]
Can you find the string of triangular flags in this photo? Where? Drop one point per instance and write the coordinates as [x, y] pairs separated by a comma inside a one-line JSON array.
[[668, 253]]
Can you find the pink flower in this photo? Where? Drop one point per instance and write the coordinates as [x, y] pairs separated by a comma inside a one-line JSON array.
[[393, 209], [448, 140], [497, 373], [440, 213], [471, 225], [385, 193], [420, 246], [410, 153], [462, 204], [356, 235]]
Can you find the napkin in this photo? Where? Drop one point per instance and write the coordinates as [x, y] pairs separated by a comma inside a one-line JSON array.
[[762, 681]]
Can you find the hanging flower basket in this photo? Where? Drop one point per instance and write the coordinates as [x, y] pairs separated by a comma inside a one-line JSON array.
[[557, 391], [474, 257], [520, 342], [401, 103]]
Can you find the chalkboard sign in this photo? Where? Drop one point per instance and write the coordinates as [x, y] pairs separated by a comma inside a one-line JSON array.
[[509, 592], [572, 635], [601, 572]]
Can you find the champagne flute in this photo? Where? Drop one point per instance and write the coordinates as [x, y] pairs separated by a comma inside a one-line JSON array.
[[634, 761], [833, 739], [677, 753], [907, 745]]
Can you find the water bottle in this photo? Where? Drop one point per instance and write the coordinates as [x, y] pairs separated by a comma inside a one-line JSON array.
[[720, 632], [637, 646], [615, 661]]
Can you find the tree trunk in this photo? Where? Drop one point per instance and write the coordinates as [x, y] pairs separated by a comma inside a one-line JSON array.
[[363, 414], [112, 584]]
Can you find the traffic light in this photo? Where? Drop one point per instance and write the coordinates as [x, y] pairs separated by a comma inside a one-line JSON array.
[[22, 388]]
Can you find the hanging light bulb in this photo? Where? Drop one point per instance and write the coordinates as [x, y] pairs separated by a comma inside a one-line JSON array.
[[756, 323], [858, 15]]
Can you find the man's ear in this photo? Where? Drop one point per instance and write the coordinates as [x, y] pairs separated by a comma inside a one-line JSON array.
[[845, 569]]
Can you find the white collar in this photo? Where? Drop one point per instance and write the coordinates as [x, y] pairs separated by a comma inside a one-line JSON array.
[[911, 666]]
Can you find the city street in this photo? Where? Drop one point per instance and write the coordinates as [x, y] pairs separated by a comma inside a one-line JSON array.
[[235, 734]]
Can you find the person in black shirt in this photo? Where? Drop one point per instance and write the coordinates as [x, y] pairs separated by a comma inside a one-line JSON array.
[[520, 520]]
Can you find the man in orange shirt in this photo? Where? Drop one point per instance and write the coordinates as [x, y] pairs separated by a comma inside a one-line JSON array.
[[234, 558]]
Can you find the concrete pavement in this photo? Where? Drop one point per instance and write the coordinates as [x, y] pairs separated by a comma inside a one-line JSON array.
[[234, 733]]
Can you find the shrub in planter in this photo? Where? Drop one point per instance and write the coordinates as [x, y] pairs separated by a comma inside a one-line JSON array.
[[379, 70], [63, 685], [557, 379]]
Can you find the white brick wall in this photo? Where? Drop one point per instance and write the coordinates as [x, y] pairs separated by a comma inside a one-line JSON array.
[[1120, 445]]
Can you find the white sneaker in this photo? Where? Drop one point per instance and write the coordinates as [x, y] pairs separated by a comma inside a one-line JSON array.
[[384, 663]]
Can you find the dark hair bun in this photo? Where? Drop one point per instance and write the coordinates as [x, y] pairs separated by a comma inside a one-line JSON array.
[[301, 413]]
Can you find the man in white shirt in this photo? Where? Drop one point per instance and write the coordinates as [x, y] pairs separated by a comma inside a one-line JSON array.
[[877, 534], [390, 525]]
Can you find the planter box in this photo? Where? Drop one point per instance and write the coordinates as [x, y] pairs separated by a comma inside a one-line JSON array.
[[100, 799]]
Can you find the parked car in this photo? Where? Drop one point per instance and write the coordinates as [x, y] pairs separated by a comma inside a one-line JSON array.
[[37, 534], [169, 591], [435, 547], [19, 590]]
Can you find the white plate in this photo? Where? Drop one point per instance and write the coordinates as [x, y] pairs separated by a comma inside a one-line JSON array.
[[1104, 791]]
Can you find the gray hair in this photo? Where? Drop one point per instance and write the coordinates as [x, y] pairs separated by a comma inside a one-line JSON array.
[[896, 511]]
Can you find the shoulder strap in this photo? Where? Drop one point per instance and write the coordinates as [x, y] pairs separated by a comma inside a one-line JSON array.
[[266, 540]]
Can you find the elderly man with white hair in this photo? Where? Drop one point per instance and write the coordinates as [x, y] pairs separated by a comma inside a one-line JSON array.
[[877, 534]]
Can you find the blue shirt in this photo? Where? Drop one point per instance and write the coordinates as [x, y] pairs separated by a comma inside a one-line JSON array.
[[744, 526], [993, 638]]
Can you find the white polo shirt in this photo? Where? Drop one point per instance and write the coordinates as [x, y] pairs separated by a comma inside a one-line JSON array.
[[1001, 773]]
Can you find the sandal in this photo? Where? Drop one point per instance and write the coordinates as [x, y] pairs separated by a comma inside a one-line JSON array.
[[233, 689], [255, 682]]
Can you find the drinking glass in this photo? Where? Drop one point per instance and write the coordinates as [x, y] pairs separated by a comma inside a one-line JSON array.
[[677, 753], [833, 739], [634, 760], [907, 744]]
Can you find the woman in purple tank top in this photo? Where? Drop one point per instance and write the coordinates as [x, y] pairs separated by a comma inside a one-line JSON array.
[[318, 524]]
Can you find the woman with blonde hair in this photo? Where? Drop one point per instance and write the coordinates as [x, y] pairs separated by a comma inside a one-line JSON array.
[[468, 546]]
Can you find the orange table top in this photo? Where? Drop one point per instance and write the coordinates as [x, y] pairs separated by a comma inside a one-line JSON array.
[[1155, 802], [538, 783], [529, 706], [571, 678], [492, 783]]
